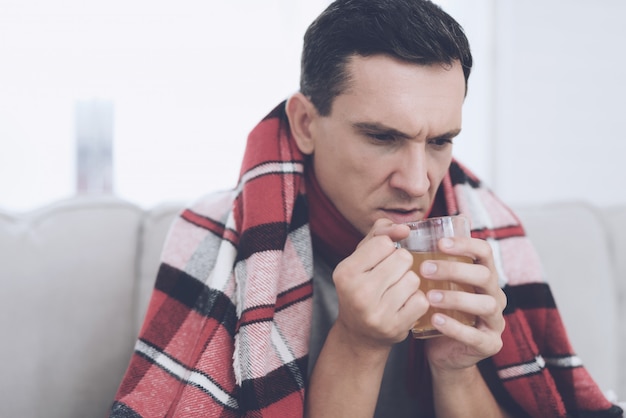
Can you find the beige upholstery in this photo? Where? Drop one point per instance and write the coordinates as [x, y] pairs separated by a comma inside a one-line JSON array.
[[75, 279], [71, 303], [574, 246], [615, 221]]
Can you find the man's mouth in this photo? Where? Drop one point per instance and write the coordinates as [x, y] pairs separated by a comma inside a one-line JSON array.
[[403, 215]]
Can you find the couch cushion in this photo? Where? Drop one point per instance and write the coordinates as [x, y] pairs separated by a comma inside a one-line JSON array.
[[66, 295], [615, 218], [581, 277]]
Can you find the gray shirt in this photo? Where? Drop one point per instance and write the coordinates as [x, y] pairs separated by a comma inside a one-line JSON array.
[[393, 400]]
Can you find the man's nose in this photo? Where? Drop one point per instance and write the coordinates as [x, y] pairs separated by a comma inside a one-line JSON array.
[[411, 172]]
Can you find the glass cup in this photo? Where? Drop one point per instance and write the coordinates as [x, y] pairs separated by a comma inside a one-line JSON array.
[[422, 244]]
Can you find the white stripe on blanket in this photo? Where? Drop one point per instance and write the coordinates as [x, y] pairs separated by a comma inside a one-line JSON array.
[[538, 364], [497, 260], [471, 203], [221, 274], [178, 370], [522, 369], [280, 346], [564, 362], [275, 167], [285, 353]]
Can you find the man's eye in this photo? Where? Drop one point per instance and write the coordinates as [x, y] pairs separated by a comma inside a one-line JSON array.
[[441, 142], [382, 137]]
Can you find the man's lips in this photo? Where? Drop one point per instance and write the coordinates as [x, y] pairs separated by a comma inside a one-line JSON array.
[[403, 215]]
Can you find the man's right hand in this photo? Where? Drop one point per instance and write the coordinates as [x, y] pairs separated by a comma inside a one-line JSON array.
[[379, 300], [379, 296]]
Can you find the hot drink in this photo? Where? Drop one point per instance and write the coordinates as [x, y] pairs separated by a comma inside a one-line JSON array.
[[423, 327]]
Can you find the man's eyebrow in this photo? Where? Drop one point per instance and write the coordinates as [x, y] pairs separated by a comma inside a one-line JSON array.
[[381, 128], [448, 135]]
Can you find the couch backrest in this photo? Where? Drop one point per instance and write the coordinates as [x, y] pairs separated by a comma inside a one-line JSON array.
[[615, 222], [76, 277], [576, 252], [67, 277]]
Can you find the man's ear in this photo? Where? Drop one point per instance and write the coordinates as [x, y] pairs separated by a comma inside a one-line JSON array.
[[301, 113]]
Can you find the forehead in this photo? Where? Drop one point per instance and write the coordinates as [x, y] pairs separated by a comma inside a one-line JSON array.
[[385, 72], [384, 88]]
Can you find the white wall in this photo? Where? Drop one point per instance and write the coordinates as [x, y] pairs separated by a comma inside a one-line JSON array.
[[475, 145], [542, 120], [188, 80], [560, 100]]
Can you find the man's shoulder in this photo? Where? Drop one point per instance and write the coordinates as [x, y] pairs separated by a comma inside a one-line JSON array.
[[213, 205]]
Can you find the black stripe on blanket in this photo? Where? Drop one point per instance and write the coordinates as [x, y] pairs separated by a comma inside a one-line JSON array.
[[300, 215], [120, 410], [459, 176], [271, 236], [266, 237], [192, 293], [278, 384], [528, 296], [614, 411]]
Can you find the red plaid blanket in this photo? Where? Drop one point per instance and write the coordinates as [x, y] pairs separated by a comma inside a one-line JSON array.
[[226, 333]]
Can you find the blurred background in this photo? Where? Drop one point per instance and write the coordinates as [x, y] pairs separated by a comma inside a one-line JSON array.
[[152, 100]]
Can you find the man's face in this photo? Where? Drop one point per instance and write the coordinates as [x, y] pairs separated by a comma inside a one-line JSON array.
[[387, 143]]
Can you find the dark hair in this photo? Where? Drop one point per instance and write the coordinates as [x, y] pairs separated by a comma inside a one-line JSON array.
[[416, 31]]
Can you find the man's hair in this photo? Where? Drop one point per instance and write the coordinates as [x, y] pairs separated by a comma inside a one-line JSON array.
[[416, 31]]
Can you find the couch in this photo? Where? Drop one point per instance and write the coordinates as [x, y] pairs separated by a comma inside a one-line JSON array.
[[76, 277]]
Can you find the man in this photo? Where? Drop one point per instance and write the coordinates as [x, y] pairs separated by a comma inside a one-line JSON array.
[[287, 296]]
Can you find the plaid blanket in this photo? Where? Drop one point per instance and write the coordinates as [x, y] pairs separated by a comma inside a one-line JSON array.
[[226, 333]]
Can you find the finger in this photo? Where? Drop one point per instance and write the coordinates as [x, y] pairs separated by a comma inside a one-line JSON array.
[[413, 308], [483, 278], [486, 308], [475, 275], [379, 228], [398, 292], [386, 227], [367, 256], [392, 269], [484, 342], [405, 301], [478, 250], [490, 322], [396, 232]]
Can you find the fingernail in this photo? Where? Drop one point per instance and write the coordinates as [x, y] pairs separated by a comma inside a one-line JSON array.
[[446, 243], [435, 296], [428, 267], [439, 319]]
